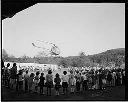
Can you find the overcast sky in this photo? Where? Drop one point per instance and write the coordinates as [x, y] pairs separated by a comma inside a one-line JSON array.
[[89, 27]]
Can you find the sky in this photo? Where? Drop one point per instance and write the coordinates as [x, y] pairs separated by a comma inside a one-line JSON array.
[[74, 27]]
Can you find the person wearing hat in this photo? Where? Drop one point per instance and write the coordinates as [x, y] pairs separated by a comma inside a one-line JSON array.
[[6, 75]]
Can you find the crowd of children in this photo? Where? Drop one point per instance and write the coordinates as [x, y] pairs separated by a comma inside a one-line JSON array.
[[75, 82]]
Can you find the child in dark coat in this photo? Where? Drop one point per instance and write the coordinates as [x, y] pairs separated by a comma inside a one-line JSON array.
[[41, 83], [57, 81]]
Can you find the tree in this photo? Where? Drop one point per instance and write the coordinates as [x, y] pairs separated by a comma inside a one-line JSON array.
[[24, 58], [64, 62], [12, 56], [88, 64], [82, 53], [78, 62], [41, 54], [5, 55]]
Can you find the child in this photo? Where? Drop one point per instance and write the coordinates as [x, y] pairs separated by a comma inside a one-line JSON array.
[[96, 77], [65, 80], [84, 81], [36, 81], [26, 77], [104, 81], [49, 82], [30, 81], [57, 81], [78, 81], [123, 77], [109, 78], [72, 81], [41, 83], [100, 76], [20, 81]]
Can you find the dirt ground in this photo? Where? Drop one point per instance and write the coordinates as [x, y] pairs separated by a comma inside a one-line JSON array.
[[111, 93]]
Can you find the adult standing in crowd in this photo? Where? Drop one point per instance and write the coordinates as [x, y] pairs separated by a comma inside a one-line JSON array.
[[6, 75], [2, 70], [2, 67], [13, 75]]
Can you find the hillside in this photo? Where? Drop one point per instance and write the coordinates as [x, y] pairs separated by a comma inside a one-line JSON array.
[[114, 55]]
